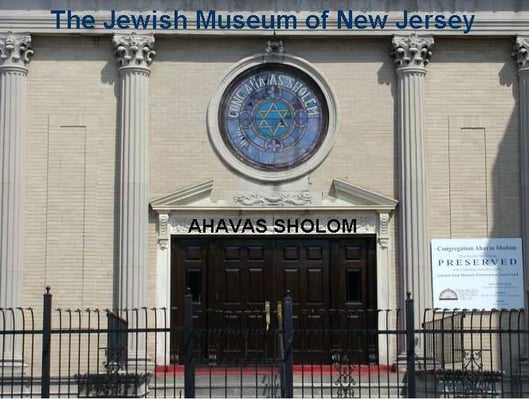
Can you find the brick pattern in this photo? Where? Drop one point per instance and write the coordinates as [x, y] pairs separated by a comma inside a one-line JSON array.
[[473, 139], [71, 166], [70, 173]]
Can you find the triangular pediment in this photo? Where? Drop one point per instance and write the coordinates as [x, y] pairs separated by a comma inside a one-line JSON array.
[[356, 195], [193, 195], [343, 195]]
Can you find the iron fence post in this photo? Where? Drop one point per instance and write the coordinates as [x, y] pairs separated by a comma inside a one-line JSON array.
[[189, 373], [288, 379], [410, 347], [46, 343]]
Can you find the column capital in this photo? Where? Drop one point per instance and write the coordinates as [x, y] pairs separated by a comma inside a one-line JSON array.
[[134, 49], [412, 51], [521, 52], [15, 50]]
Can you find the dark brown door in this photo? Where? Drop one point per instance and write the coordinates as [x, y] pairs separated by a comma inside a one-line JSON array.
[[302, 268], [241, 282], [240, 277], [355, 296], [190, 260], [354, 273]]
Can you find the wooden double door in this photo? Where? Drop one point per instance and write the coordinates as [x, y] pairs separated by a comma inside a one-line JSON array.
[[247, 278]]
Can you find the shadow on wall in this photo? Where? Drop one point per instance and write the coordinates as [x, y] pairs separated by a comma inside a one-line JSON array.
[[484, 196], [507, 192], [506, 185]]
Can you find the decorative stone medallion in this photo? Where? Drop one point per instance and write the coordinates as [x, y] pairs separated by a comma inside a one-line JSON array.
[[274, 119]]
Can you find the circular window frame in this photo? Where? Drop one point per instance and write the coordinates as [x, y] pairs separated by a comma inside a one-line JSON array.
[[225, 152]]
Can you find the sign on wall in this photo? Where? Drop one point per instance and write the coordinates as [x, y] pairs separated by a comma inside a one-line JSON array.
[[477, 273]]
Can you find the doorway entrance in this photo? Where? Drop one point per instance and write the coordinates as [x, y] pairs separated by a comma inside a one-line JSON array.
[[245, 274]]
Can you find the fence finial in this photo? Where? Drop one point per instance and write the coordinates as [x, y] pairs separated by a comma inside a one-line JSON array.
[[48, 288], [408, 295]]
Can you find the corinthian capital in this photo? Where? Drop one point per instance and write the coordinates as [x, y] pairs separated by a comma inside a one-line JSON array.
[[134, 50], [521, 51], [15, 49], [412, 50]]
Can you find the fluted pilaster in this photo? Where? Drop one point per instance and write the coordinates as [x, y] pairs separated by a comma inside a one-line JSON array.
[[521, 53], [412, 53], [15, 50], [134, 53]]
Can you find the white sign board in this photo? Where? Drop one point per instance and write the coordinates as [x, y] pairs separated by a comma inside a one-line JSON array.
[[477, 273]]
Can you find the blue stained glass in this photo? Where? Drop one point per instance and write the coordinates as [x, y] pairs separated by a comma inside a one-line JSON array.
[[273, 117]]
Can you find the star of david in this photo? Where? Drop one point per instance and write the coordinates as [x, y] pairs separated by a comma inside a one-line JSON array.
[[273, 118]]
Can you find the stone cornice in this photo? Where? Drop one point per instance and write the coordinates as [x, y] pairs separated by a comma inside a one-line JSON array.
[[355, 194], [134, 49], [185, 195], [521, 52], [487, 23], [412, 51], [15, 49], [346, 197]]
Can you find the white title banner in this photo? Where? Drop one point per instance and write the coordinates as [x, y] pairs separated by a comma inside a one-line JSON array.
[[477, 273]]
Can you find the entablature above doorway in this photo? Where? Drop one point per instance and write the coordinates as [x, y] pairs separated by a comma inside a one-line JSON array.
[[348, 209], [344, 196]]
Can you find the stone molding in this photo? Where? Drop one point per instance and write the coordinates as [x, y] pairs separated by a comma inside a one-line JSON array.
[[358, 195], [412, 51], [134, 49], [521, 52], [163, 233], [275, 199], [345, 197], [275, 46], [383, 231], [488, 22], [184, 195], [233, 161], [15, 50], [179, 224]]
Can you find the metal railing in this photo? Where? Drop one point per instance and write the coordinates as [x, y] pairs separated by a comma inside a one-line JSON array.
[[290, 352]]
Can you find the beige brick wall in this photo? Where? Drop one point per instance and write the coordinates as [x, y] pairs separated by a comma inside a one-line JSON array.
[[359, 71], [70, 172], [472, 139]]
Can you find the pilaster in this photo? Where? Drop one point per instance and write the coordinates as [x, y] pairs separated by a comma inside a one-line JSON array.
[[15, 52], [521, 53], [134, 53], [412, 53]]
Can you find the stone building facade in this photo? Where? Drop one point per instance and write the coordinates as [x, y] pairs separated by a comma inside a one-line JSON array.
[[121, 185]]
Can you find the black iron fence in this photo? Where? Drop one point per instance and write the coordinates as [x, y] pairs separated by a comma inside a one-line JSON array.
[[285, 352]]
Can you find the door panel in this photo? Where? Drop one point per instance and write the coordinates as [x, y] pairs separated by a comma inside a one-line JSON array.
[[189, 264], [353, 274], [242, 275], [302, 267], [354, 277], [241, 281]]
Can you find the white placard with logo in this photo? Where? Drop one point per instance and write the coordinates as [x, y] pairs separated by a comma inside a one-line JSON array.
[[477, 273]]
